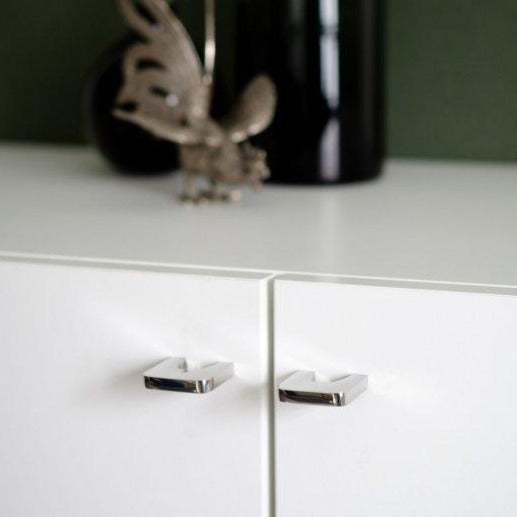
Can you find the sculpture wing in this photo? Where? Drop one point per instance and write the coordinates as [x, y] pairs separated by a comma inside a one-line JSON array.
[[254, 110], [208, 132], [164, 87]]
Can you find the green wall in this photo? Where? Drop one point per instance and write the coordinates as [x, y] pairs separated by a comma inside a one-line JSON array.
[[452, 74], [46, 50], [452, 77]]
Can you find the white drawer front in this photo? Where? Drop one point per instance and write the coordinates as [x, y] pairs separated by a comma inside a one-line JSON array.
[[82, 437], [434, 434]]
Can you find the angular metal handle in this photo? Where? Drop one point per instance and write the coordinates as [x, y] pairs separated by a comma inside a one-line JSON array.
[[301, 388], [174, 375]]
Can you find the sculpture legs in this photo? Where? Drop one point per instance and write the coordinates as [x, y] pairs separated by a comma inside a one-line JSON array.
[[190, 192], [216, 192]]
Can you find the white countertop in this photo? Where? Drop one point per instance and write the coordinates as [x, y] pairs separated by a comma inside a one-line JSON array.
[[432, 221]]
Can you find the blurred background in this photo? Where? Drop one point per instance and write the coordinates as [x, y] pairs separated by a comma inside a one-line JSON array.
[[451, 73]]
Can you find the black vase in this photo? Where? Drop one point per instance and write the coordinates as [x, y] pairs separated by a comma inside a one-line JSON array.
[[326, 58], [126, 146]]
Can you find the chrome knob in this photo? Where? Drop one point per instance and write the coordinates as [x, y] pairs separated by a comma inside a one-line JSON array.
[[174, 375], [302, 388]]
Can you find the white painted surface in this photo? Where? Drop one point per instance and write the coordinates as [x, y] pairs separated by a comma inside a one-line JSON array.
[[423, 221], [435, 432], [79, 434]]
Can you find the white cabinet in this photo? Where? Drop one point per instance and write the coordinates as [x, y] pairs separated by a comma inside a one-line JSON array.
[[80, 436], [434, 434], [104, 277]]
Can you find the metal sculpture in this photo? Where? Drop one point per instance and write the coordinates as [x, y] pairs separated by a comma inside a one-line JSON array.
[[168, 92]]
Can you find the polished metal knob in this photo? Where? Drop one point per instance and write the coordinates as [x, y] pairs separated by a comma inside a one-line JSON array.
[[174, 375], [302, 388]]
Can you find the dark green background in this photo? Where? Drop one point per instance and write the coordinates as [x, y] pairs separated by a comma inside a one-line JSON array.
[[451, 72]]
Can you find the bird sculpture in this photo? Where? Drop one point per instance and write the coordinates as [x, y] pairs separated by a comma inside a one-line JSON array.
[[167, 92]]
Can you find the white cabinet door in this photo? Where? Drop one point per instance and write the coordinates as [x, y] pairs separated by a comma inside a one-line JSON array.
[[435, 434], [80, 436]]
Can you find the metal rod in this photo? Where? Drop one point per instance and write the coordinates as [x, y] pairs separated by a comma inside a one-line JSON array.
[[209, 39]]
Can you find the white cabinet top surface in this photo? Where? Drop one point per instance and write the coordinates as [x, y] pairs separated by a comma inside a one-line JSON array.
[[426, 221]]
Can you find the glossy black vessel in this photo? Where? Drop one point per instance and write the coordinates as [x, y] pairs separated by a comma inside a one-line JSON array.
[[127, 147], [326, 57]]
